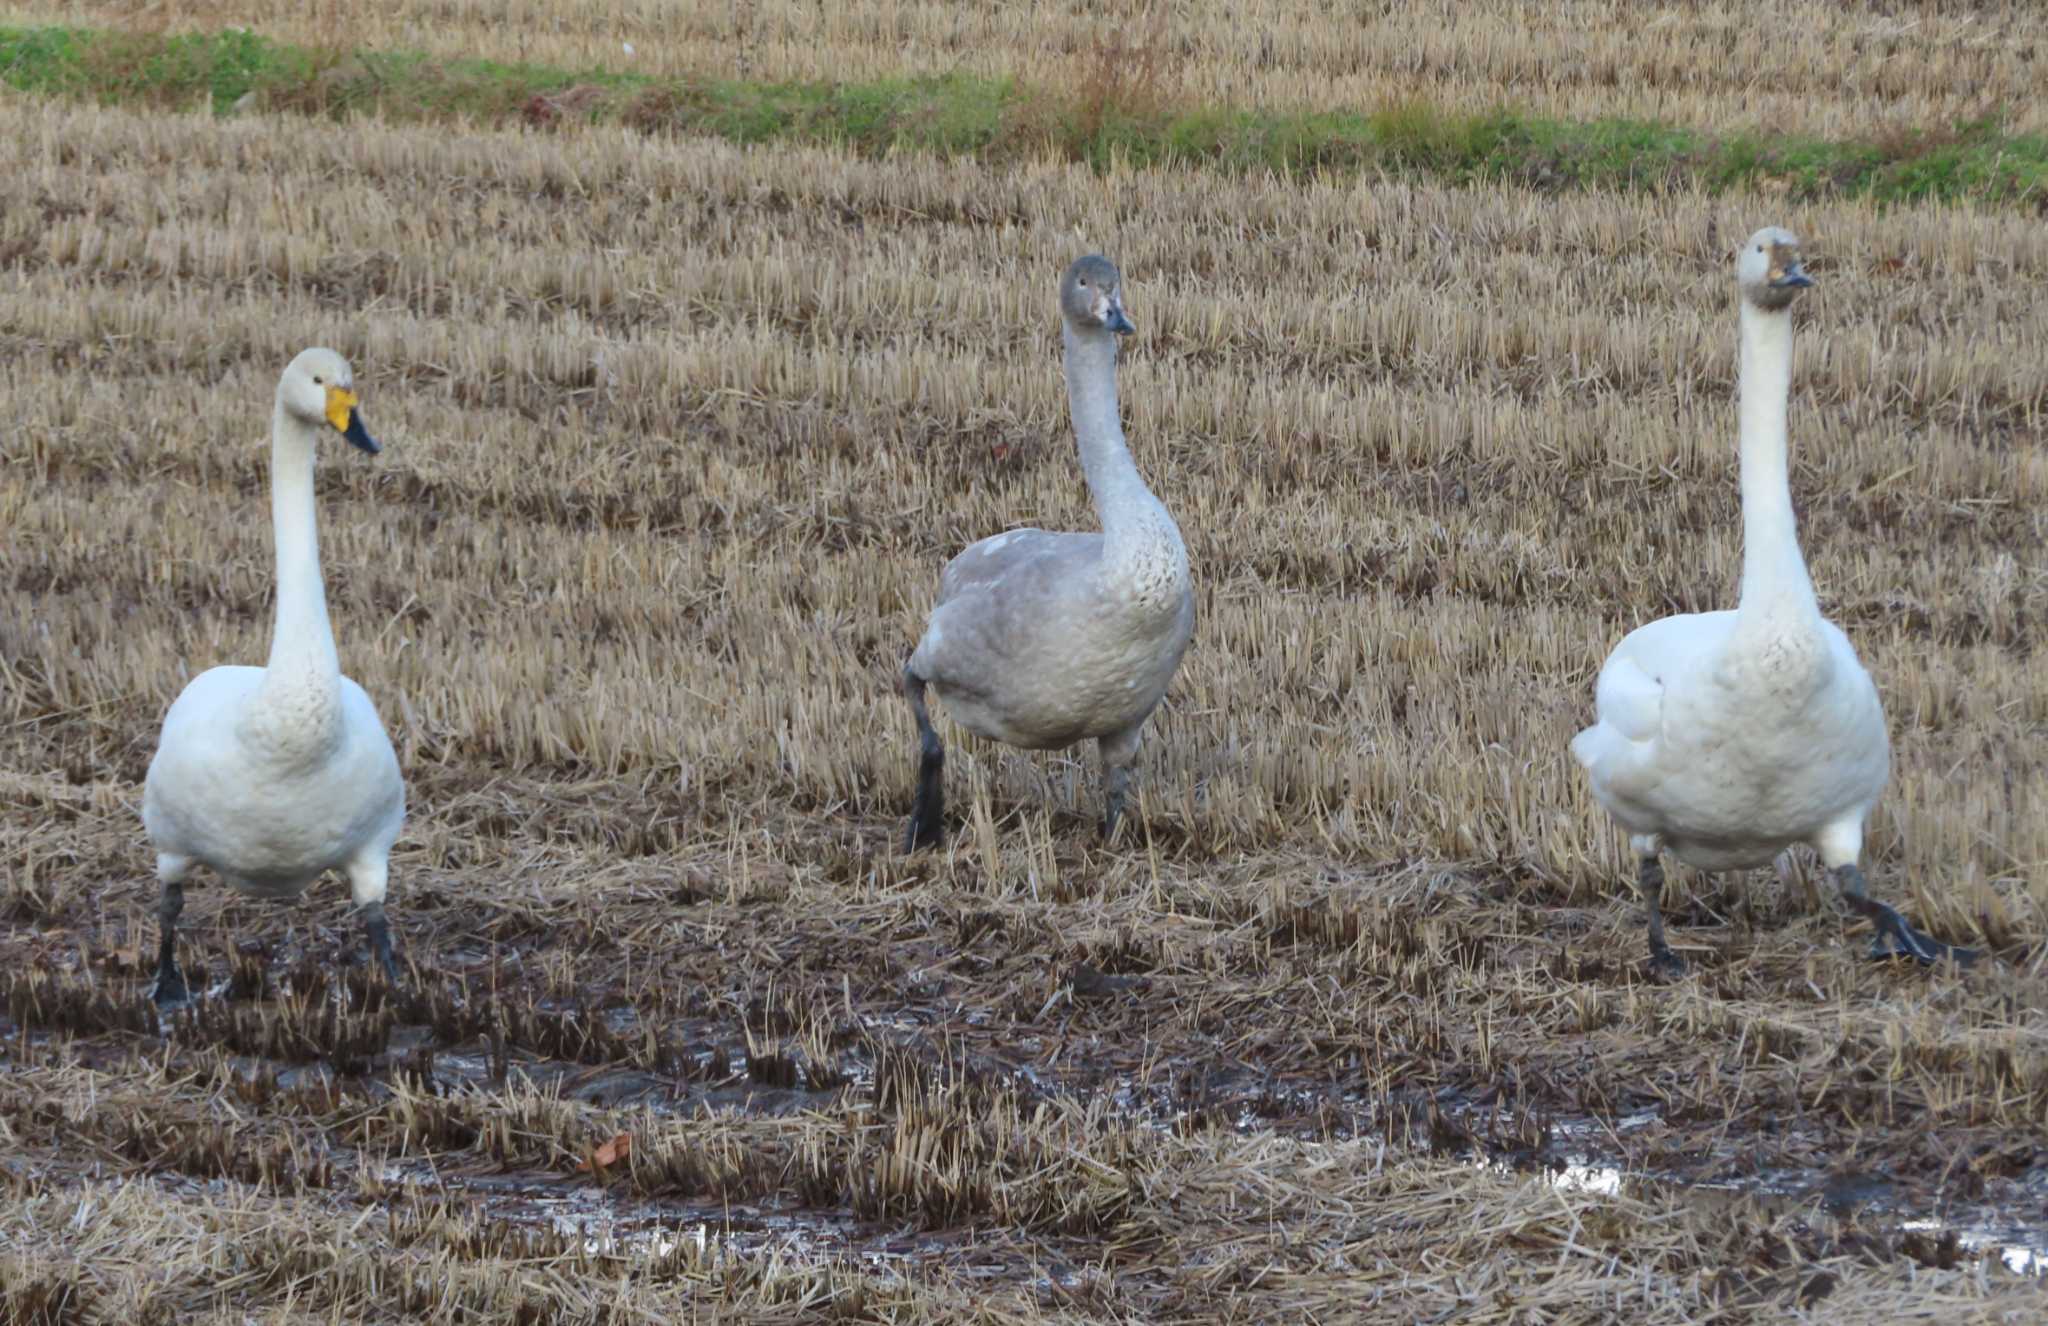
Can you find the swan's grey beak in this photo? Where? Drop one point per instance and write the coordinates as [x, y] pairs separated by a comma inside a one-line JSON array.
[[1794, 277], [1117, 322], [359, 436]]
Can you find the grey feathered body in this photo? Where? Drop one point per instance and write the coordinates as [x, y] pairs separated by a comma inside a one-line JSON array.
[[1039, 642]]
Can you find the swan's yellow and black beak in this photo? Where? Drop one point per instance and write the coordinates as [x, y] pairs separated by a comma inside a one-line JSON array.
[[1791, 276], [1786, 271], [348, 420]]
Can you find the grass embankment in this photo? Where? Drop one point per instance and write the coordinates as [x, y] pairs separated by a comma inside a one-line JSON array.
[[1118, 114]]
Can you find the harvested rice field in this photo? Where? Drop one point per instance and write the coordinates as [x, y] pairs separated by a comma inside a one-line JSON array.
[[1352, 1022]]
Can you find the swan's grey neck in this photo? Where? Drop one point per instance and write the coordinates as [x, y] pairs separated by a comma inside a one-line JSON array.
[[1141, 544], [1775, 585], [299, 703]]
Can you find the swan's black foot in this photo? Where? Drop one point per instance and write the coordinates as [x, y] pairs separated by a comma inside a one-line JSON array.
[[1896, 938], [928, 812], [379, 931], [170, 993], [1118, 752], [1666, 965]]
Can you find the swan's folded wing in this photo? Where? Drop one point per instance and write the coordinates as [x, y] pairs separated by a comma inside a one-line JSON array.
[[1620, 748], [1645, 667], [1053, 557], [1003, 624], [1630, 700]]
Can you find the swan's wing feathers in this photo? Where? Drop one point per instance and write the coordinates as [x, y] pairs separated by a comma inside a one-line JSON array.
[[1630, 699], [1000, 610], [1040, 556], [200, 725], [1620, 750], [1003, 606]]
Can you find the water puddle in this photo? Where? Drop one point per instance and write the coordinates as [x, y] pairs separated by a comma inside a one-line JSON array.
[[607, 1223], [1980, 1231], [2003, 1221], [2021, 1250]]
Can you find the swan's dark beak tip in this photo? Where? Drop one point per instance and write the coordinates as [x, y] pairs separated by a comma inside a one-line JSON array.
[[359, 436], [1795, 278], [1120, 324]]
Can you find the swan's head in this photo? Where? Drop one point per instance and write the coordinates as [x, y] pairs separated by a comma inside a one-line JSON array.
[[1092, 296], [318, 388], [1768, 269]]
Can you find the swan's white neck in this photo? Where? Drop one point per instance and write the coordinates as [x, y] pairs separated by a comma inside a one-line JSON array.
[[1776, 590], [299, 703], [1142, 547]]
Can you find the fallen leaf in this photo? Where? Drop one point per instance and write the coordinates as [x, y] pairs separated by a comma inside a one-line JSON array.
[[610, 1154]]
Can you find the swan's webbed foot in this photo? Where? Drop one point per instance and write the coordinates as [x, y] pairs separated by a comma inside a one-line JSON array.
[[378, 930], [928, 811], [1885, 945], [169, 992], [1666, 965], [1896, 937]]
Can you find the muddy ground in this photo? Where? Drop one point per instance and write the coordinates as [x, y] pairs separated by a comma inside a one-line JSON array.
[[818, 1050]]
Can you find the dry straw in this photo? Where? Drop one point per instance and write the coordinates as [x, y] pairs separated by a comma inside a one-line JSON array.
[[662, 505]]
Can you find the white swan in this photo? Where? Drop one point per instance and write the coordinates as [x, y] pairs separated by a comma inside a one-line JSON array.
[[273, 775], [1042, 640], [1727, 737]]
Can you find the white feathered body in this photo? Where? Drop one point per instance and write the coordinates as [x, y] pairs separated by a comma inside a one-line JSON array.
[[1730, 743], [271, 795]]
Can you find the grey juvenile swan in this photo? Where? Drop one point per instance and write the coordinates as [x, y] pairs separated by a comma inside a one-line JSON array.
[[273, 775], [1042, 640], [1727, 737]]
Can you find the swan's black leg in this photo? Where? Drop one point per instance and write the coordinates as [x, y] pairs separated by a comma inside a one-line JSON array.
[[927, 813], [1896, 937], [171, 992], [1650, 884], [379, 931], [1119, 751], [1116, 784]]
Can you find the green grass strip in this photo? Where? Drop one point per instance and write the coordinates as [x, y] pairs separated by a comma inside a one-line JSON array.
[[995, 119]]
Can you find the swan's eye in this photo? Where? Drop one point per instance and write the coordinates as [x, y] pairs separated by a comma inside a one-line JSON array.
[[316, 379]]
